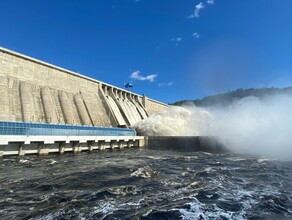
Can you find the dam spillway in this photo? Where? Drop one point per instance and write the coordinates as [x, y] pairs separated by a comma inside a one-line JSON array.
[[35, 91]]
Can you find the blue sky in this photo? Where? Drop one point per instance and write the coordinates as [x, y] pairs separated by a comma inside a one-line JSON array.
[[169, 49]]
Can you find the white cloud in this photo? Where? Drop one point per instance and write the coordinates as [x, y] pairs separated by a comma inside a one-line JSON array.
[[210, 2], [165, 84], [191, 16], [196, 35], [197, 11], [136, 75], [198, 8], [177, 39]]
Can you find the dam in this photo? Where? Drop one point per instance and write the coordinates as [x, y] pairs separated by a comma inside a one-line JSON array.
[[34, 92]]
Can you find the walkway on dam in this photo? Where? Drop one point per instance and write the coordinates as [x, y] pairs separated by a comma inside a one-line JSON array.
[[21, 138]]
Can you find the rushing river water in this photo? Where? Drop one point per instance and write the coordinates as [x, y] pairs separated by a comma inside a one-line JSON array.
[[145, 184]]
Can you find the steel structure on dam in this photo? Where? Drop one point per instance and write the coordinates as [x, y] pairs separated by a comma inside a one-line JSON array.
[[37, 92]]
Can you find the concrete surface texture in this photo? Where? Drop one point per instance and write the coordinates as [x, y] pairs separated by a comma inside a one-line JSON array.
[[35, 91]]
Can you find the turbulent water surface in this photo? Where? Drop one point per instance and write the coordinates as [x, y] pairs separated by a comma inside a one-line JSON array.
[[145, 184]]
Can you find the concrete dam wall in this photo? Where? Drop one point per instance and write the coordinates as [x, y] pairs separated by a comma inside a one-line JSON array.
[[35, 91]]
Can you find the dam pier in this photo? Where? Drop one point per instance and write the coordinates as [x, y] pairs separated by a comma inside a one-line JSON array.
[[46, 109]]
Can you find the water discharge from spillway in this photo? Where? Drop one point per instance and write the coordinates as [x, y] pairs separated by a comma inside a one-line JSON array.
[[249, 125]]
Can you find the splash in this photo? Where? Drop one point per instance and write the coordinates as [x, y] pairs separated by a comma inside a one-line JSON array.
[[175, 121], [249, 125]]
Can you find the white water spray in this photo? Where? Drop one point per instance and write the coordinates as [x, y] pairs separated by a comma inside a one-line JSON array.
[[175, 121], [249, 125]]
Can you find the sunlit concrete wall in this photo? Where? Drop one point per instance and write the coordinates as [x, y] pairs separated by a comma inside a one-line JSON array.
[[35, 91]]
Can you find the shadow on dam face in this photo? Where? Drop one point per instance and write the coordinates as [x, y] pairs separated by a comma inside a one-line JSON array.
[[186, 144]]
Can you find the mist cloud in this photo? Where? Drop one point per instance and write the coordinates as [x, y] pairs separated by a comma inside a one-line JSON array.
[[249, 125]]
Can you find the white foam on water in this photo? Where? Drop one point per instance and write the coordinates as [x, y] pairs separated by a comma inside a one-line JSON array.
[[48, 217], [237, 159], [206, 170], [156, 157], [198, 210], [171, 183], [50, 161], [108, 207], [144, 172], [265, 160], [191, 157], [141, 172], [147, 213], [247, 198], [123, 190], [24, 161]]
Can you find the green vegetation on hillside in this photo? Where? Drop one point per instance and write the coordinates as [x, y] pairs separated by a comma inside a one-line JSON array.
[[224, 99]]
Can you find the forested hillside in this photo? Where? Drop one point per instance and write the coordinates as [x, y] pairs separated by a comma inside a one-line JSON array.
[[224, 99]]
